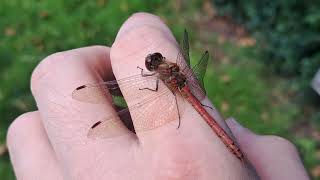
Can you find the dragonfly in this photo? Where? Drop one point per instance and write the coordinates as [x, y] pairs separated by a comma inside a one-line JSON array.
[[166, 78]]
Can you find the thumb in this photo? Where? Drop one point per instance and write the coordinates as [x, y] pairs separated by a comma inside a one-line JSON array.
[[273, 157]]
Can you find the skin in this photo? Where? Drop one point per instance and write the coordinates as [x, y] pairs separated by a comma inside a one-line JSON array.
[[52, 142]]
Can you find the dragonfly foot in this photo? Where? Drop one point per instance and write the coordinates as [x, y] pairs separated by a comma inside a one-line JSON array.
[[155, 90], [179, 124], [207, 106]]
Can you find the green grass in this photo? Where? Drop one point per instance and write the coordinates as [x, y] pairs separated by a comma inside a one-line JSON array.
[[242, 87], [6, 171]]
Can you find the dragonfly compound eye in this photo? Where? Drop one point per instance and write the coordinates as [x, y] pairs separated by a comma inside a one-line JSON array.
[[153, 61]]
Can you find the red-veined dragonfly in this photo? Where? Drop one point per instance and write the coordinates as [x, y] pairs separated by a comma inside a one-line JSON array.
[[178, 78]]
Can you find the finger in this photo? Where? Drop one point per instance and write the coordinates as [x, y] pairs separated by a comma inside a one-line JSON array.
[[67, 121], [139, 36], [30, 151], [273, 157]]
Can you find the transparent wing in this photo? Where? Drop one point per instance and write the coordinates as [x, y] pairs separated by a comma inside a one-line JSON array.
[[100, 92], [196, 89], [200, 69], [108, 127], [195, 77], [141, 104], [143, 111], [196, 74], [181, 62], [183, 58], [185, 47]]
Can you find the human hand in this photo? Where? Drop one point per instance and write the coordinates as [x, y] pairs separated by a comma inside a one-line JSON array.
[[51, 143], [272, 156]]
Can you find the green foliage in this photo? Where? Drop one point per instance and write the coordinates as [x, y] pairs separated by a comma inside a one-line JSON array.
[[308, 149], [241, 90], [288, 32], [119, 101], [6, 172]]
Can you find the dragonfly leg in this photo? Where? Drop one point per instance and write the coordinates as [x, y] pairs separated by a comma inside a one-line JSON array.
[[178, 111], [144, 74], [155, 89], [207, 106]]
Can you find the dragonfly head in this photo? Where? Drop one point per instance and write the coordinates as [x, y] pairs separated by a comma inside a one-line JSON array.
[[153, 61]]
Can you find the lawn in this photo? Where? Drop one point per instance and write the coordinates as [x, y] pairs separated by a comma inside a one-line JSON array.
[[242, 86]]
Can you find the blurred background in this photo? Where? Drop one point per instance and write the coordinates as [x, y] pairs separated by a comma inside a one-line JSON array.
[[265, 55]]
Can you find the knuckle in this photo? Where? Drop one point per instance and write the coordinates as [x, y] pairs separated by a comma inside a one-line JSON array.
[[64, 59], [100, 47], [174, 162], [282, 143], [44, 67], [19, 127]]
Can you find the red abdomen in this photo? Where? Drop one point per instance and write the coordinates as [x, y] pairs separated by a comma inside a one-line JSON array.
[[221, 133]]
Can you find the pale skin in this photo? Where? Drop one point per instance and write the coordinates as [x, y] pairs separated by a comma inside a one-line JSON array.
[[52, 142]]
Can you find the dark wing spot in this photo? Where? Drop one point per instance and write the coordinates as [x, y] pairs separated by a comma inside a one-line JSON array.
[[95, 124], [81, 87]]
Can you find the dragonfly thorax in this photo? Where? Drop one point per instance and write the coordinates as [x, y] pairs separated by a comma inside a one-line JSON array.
[[172, 76], [168, 72]]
